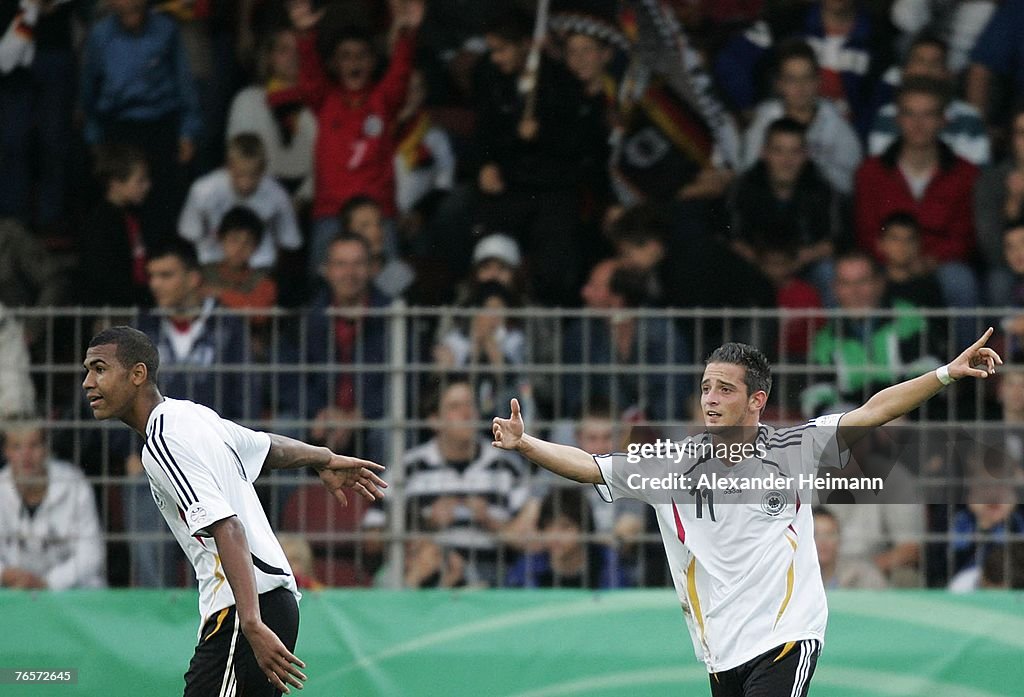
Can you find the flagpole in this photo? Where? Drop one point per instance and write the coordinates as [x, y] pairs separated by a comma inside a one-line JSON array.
[[530, 78]]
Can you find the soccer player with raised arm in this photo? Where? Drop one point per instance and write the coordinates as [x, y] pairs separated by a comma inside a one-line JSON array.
[[201, 469], [743, 560]]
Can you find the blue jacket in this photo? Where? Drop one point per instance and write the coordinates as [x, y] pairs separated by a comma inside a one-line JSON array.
[[999, 47], [223, 340], [138, 77]]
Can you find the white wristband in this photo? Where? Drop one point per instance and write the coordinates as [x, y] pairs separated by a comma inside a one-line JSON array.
[[942, 373]]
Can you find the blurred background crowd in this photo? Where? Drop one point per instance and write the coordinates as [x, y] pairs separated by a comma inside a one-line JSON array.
[[350, 218]]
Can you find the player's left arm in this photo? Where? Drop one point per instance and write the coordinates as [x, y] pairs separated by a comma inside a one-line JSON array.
[[273, 657], [977, 361], [336, 471]]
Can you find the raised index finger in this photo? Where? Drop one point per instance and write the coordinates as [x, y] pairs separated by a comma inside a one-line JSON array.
[[984, 338]]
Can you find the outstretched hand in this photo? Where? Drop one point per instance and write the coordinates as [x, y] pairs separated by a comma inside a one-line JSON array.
[[977, 361], [352, 473], [508, 433]]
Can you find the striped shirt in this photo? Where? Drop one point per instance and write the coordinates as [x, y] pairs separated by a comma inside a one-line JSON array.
[[493, 474], [201, 469], [743, 560]]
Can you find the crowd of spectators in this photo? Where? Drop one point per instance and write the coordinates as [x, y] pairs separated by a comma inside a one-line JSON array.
[[190, 158]]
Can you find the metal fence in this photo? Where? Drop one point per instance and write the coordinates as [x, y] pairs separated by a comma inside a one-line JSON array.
[[363, 380]]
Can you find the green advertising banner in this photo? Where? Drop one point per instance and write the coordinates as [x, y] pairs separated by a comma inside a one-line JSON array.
[[512, 644]]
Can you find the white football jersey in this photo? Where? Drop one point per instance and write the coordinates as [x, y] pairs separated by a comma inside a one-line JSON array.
[[743, 559], [201, 469]]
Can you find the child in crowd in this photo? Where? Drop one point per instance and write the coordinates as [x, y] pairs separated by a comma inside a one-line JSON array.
[[242, 181], [111, 243], [908, 277], [233, 280]]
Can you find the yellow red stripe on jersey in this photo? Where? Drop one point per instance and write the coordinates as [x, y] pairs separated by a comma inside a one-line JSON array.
[[217, 574], [691, 591], [790, 574]]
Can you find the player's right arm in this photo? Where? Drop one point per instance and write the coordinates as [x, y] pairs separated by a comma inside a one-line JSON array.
[[564, 460], [275, 660]]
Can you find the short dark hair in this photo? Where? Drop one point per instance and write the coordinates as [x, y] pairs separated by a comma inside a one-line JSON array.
[[758, 373], [351, 32], [351, 206], [792, 49], [858, 255], [242, 218], [920, 84], [180, 249], [641, 224], [569, 502], [345, 236], [437, 385], [248, 145], [115, 162], [903, 219], [788, 126], [599, 406], [825, 512], [512, 26], [132, 347]]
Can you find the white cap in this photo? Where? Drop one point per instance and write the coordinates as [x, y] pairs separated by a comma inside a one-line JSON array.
[[497, 246]]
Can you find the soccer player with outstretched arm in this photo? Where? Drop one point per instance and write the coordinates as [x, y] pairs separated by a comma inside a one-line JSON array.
[[743, 560], [201, 470]]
